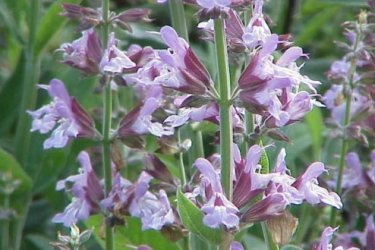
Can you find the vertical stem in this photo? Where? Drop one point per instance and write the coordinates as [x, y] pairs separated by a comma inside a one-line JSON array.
[[345, 142], [226, 133], [28, 99], [181, 161], [107, 105], [30, 74], [176, 10]]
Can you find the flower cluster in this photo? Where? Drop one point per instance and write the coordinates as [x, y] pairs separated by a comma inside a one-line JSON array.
[[269, 194]]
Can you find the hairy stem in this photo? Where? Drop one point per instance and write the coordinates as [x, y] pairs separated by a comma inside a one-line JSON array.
[[107, 106]]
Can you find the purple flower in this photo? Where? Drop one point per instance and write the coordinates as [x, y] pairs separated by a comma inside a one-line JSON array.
[[139, 121], [84, 53], [218, 209], [272, 88], [292, 107], [209, 4], [63, 115], [257, 30], [86, 190], [335, 101], [307, 184], [325, 239], [115, 61], [187, 73], [135, 199]]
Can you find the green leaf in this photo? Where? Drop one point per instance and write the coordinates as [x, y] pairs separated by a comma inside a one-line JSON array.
[[50, 24], [10, 96], [314, 121], [192, 218], [315, 25], [291, 247], [131, 235], [264, 162], [360, 3], [38, 241], [8, 164], [20, 198]]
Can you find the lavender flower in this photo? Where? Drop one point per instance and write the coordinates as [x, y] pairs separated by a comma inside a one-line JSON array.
[[136, 200], [325, 240], [218, 209], [307, 184], [188, 74], [267, 87], [64, 114], [87, 193], [335, 101], [115, 61], [139, 121], [84, 53], [257, 30]]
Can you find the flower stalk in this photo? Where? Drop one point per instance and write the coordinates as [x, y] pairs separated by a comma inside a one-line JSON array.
[[176, 10], [226, 132], [107, 107], [345, 141]]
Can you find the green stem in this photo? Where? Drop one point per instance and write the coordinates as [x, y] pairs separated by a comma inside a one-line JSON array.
[[226, 133], [181, 161], [345, 141], [31, 75], [28, 100], [199, 148], [176, 10], [107, 106], [268, 238]]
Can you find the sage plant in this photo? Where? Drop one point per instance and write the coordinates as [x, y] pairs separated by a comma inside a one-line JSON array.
[[218, 196]]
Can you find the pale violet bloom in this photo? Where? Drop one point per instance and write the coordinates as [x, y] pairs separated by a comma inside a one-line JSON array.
[[86, 190], [335, 101], [217, 208], [115, 61], [136, 200], [325, 241], [139, 121], [257, 30], [209, 4], [63, 115], [188, 74], [307, 184], [84, 53]]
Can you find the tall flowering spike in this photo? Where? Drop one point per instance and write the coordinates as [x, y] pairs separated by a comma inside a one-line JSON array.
[[307, 184], [86, 190], [218, 209], [115, 61], [84, 53], [63, 115], [188, 74]]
